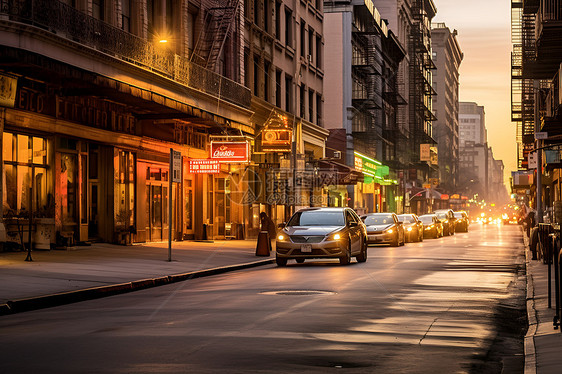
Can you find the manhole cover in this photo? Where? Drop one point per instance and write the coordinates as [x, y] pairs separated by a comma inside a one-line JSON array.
[[298, 292]]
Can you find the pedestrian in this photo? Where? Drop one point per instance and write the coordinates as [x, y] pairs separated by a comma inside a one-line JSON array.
[[267, 225]]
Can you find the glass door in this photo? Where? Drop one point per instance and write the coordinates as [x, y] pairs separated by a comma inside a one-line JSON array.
[[157, 203]]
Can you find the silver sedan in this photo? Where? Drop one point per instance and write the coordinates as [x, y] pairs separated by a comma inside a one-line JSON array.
[[322, 233]]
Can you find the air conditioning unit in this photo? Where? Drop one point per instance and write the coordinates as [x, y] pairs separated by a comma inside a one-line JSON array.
[[337, 155]]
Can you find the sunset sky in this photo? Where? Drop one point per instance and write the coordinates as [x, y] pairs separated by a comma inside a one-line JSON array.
[[484, 35]]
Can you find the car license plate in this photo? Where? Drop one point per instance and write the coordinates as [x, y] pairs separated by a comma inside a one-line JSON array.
[[306, 248]]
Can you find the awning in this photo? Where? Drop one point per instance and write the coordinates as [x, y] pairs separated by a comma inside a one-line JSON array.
[[331, 172]]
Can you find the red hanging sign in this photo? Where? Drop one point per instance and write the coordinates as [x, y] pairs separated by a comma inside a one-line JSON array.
[[230, 151]]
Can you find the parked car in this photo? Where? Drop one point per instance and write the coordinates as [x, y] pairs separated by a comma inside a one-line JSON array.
[[322, 233], [461, 221], [413, 227], [447, 218], [432, 226], [384, 228]]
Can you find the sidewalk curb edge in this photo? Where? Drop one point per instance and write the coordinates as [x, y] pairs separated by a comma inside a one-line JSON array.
[[57, 299]]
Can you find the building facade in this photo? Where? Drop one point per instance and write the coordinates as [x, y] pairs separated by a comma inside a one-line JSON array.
[[96, 95], [362, 99], [447, 56], [536, 72], [284, 68]]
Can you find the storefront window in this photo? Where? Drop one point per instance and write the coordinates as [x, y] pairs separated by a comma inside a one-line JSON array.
[[68, 188], [26, 167], [188, 200], [126, 188]]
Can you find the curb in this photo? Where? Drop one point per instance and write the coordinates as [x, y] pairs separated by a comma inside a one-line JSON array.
[[57, 299], [529, 340]]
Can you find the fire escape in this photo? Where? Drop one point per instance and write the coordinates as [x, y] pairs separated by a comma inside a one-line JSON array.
[[219, 23], [421, 90], [366, 89]]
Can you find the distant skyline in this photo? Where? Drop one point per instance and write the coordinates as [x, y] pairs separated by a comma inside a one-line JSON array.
[[484, 35]]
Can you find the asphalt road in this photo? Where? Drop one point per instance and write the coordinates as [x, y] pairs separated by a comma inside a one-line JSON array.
[[449, 305]]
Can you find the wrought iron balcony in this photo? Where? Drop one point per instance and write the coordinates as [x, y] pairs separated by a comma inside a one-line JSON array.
[[69, 23]]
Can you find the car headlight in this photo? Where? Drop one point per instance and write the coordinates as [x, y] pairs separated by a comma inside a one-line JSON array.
[[390, 231], [409, 229], [336, 236], [282, 237]]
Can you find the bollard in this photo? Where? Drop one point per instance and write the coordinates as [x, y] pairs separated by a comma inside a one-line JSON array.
[[264, 244]]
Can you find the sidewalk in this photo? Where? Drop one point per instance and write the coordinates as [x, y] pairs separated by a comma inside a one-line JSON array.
[[543, 344], [86, 272]]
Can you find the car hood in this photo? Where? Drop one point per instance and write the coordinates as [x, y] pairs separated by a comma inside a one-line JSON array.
[[378, 227], [311, 230]]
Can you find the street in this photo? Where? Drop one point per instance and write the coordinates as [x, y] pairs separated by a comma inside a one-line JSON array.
[[449, 305]]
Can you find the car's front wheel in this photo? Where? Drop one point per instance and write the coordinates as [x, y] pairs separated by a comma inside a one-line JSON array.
[[281, 261], [346, 258], [362, 256]]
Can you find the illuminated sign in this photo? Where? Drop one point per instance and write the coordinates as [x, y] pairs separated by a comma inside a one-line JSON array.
[[204, 166], [276, 140], [230, 151]]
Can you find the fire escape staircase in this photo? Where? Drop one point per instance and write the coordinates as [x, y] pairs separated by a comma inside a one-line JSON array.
[[220, 21]]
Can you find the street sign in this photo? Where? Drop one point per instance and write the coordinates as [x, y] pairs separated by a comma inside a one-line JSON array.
[[176, 166], [532, 160], [541, 135]]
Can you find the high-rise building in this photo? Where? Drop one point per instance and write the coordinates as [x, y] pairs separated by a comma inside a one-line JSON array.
[[362, 99], [447, 56], [472, 123], [411, 20]]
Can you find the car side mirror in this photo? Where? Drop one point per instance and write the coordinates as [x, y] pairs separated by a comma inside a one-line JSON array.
[[282, 225], [353, 224]]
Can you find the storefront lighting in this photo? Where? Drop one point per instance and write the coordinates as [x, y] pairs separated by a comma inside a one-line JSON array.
[[368, 158]]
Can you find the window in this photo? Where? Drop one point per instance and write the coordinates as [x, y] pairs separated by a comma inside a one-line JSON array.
[[266, 15], [125, 210], [318, 51], [278, 20], [303, 38], [319, 109], [246, 68], [288, 27], [310, 42], [278, 88], [126, 15], [302, 97], [310, 105], [257, 12], [98, 9], [256, 76], [26, 161], [288, 93], [266, 88]]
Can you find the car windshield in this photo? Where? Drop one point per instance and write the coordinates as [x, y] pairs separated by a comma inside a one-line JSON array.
[[406, 219], [441, 215], [378, 220], [458, 215], [426, 219], [317, 218]]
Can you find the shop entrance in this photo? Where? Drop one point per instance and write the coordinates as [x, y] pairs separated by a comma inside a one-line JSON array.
[[157, 204], [222, 221]]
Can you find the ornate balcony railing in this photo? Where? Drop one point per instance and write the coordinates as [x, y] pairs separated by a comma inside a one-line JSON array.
[[69, 23]]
